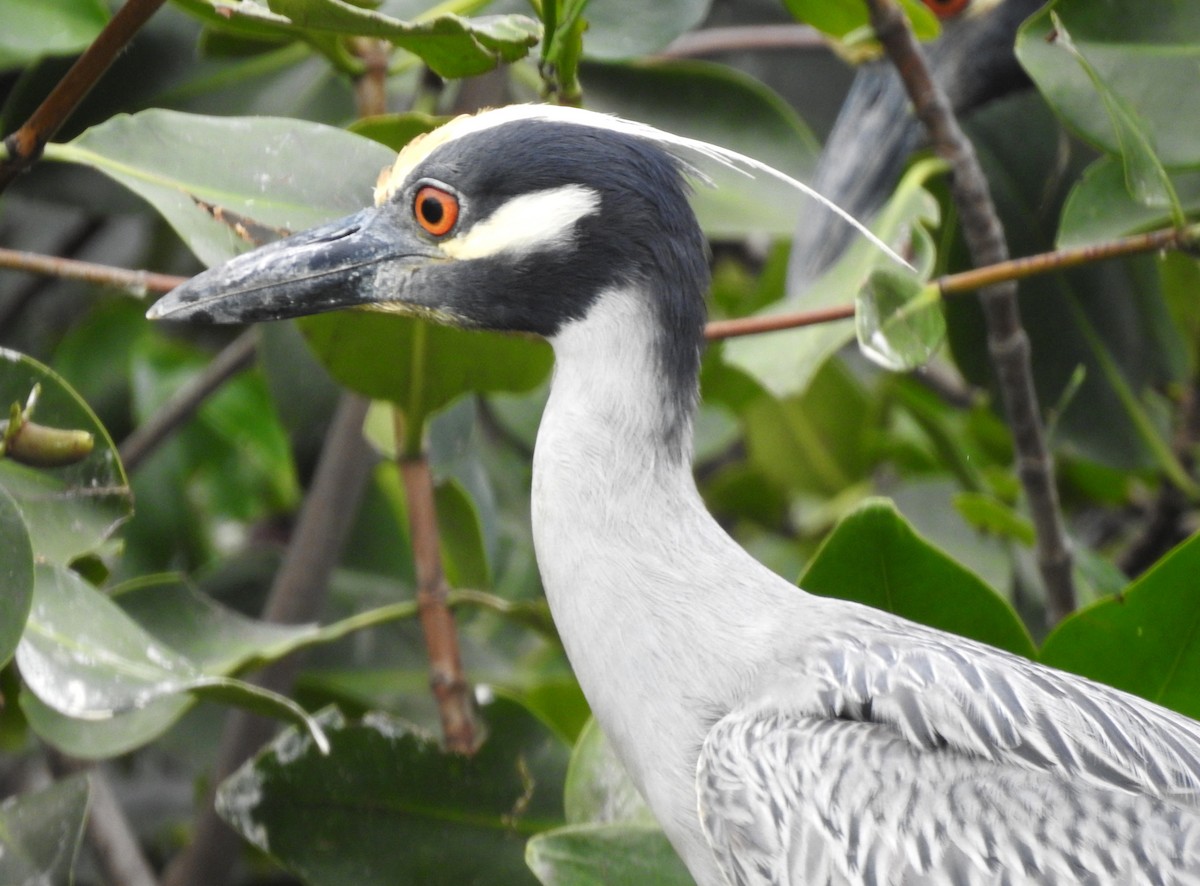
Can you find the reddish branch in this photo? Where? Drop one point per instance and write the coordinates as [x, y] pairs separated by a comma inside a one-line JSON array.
[[26, 144], [450, 688], [1008, 344]]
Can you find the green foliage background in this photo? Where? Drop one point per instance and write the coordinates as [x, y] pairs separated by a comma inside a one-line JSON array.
[[130, 601]]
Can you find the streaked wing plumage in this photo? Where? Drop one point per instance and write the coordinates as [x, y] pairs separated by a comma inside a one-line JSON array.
[[882, 758]]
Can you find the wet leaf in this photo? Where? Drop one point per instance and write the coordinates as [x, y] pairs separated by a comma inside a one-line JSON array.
[[898, 318], [785, 362], [599, 855], [391, 807], [280, 177], [40, 833], [85, 658], [16, 576], [70, 510], [1147, 54], [598, 789]]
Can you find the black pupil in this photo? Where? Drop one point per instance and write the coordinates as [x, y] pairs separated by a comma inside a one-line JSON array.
[[432, 210]]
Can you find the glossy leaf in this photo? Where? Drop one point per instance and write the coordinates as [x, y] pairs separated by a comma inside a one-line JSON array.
[[785, 362], [600, 855], [452, 46], [16, 575], [40, 833], [873, 556], [1145, 179], [1100, 207], [418, 366], [1147, 53], [211, 638], [391, 807], [609, 35], [85, 658], [280, 178], [716, 104], [841, 18], [1145, 640], [898, 319], [598, 789], [71, 510], [31, 29]]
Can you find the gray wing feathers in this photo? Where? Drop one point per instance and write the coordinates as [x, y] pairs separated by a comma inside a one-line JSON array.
[[917, 758]]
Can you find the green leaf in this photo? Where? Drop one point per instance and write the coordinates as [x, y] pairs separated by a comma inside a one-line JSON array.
[[601, 855], [396, 130], [622, 29], [418, 366], [31, 29], [898, 318], [452, 46], [1145, 178], [990, 515], [785, 362], [841, 18], [1146, 640], [391, 807], [1147, 53], [16, 575], [873, 556], [716, 104], [85, 658], [72, 510], [273, 171], [40, 833], [1100, 207], [598, 789]]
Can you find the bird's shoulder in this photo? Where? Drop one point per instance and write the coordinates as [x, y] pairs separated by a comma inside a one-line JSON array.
[[938, 691]]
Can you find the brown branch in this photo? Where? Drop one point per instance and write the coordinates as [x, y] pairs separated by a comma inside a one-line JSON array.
[[1008, 343], [237, 356], [370, 87], [26, 144], [752, 38], [455, 704], [137, 282], [297, 596]]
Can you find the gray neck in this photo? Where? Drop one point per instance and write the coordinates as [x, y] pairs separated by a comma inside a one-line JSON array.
[[649, 594]]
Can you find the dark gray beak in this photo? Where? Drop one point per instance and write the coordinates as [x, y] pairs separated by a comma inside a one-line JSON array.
[[359, 260]]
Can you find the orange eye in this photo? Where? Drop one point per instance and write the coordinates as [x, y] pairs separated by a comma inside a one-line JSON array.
[[947, 8], [436, 210]]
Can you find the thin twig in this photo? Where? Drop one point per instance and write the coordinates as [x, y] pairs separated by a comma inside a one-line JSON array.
[[111, 836], [1008, 343], [297, 596], [25, 145], [460, 730], [712, 41], [237, 356], [137, 282]]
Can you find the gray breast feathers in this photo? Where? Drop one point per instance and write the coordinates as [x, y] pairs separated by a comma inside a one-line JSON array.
[[924, 759]]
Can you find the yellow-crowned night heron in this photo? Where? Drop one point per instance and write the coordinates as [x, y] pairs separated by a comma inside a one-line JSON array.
[[778, 737]]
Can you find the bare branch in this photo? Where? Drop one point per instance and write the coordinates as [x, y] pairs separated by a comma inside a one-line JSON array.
[[237, 355], [1008, 343], [455, 704], [137, 282], [26, 144]]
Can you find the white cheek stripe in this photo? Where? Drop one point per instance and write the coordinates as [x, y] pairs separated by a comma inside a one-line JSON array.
[[537, 221]]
